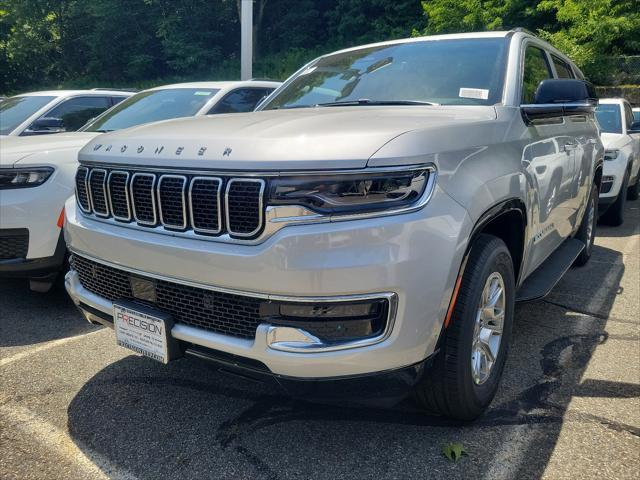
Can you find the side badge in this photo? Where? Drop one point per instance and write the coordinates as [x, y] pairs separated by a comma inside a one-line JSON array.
[[227, 152]]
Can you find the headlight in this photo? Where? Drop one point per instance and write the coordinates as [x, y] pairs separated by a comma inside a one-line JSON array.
[[23, 177], [348, 193], [611, 154]]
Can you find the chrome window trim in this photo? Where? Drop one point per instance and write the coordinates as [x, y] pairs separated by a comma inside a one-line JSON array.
[[153, 199], [104, 193], [263, 185], [219, 202], [86, 188], [184, 202], [126, 195], [391, 297]]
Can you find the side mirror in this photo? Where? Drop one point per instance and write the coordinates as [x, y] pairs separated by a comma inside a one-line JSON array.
[[556, 97], [635, 127], [45, 125]]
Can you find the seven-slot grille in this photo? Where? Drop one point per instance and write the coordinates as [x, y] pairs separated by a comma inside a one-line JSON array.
[[206, 205], [219, 312]]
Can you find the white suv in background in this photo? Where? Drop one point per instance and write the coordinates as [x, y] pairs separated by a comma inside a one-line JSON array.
[[37, 173], [620, 180], [55, 111]]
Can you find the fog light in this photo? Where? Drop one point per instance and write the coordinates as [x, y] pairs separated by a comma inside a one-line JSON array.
[[330, 322]]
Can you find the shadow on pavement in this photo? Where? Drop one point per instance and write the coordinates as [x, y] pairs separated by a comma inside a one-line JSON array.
[[28, 318], [188, 420]]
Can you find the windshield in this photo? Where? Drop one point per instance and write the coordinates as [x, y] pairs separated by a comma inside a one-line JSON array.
[[152, 106], [451, 72], [609, 118], [15, 110]]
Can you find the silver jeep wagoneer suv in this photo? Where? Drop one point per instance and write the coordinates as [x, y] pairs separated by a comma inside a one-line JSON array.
[[365, 234]]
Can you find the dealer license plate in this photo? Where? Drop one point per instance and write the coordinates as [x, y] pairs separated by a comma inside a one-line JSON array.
[[143, 332]]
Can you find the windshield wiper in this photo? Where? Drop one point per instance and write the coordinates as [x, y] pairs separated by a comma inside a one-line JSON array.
[[104, 130], [364, 101]]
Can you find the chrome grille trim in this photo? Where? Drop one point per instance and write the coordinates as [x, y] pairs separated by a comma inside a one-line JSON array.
[[218, 202], [152, 195], [126, 194], [92, 200], [84, 171], [260, 222], [183, 202]]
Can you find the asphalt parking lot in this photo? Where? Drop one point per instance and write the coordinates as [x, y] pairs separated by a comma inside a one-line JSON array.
[[74, 405]]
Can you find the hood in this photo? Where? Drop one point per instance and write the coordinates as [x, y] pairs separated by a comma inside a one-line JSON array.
[[18, 149], [613, 140], [307, 138]]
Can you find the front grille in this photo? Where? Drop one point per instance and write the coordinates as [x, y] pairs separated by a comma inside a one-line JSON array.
[[82, 195], [183, 203], [98, 191], [172, 202], [117, 186], [14, 243], [244, 209], [223, 313], [143, 198]]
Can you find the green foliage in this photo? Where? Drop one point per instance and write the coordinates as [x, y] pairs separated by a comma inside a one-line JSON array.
[[50, 43], [589, 31], [453, 451]]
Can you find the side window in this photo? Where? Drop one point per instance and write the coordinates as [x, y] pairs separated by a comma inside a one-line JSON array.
[[628, 113], [240, 100], [75, 112], [117, 100], [536, 69], [562, 67]]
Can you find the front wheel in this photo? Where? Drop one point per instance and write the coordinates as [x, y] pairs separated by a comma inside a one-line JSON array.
[[587, 232], [466, 371], [634, 191]]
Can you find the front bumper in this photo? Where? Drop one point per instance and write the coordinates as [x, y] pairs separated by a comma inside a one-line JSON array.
[[35, 267], [415, 256], [37, 209]]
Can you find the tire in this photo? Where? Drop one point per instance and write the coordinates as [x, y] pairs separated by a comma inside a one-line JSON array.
[[449, 387], [614, 215], [633, 192], [585, 234]]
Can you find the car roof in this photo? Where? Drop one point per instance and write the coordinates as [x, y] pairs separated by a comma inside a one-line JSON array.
[[612, 101], [449, 36], [71, 93], [221, 85]]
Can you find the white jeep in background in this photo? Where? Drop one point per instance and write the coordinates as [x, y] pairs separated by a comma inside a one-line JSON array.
[[55, 111], [621, 175], [37, 172]]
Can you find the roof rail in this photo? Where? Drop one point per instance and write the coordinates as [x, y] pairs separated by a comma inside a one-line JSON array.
[[523, 30], [263, 79], [134, 90]]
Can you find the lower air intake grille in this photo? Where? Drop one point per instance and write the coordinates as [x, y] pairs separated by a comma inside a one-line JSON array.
[[14, 243], [223, 313]]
